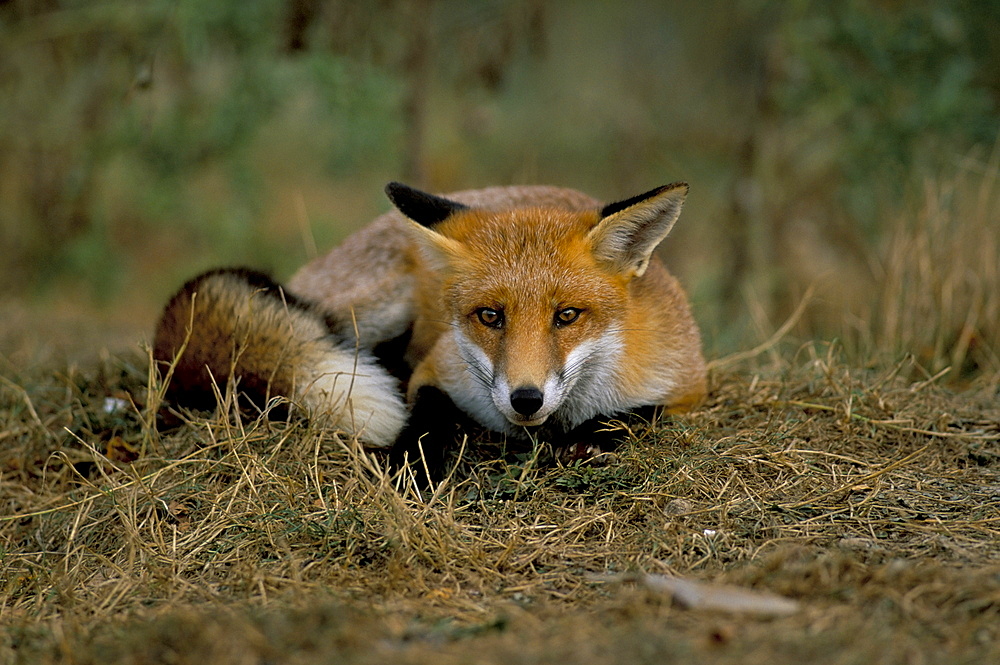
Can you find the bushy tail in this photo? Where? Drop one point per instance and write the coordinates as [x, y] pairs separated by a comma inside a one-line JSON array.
[[240, 324]]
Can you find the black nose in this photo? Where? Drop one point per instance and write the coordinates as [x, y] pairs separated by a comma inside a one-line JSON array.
[[526, 400]]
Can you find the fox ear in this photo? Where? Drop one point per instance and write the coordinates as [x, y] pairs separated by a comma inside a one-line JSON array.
[[421, 207], [440, 251], [630, 230]]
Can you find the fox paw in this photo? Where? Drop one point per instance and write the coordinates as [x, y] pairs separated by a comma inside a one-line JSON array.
[[583, 453]]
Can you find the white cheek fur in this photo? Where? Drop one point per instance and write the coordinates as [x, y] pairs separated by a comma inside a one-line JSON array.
[[478, 384], [586, 386], [593, 386]]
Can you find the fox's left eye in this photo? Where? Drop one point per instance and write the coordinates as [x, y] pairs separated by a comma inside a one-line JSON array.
[[564, 317], [490, 317]]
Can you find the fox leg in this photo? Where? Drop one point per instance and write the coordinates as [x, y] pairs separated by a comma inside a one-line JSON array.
[[434, 424], [600, 436]]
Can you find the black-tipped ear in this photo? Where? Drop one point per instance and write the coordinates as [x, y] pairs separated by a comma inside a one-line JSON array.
[[630, 230], [421, 207], [618, 206]]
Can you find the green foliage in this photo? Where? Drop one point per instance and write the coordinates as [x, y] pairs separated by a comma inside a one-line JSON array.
[[883, 87], [126, 122], [141, 142]]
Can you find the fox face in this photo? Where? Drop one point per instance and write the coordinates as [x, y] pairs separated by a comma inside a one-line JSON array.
[[537, 303], [534, 326]]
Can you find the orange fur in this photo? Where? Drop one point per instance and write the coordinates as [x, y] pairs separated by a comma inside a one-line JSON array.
[[531, 263], [523, 305]]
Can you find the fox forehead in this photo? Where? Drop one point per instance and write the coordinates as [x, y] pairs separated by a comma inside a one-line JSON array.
[[527, 258], [518, 227]]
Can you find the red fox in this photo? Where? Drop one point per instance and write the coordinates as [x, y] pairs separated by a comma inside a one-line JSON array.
[[530, 310]]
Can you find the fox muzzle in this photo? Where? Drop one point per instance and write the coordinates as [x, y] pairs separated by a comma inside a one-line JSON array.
[[527, 401]]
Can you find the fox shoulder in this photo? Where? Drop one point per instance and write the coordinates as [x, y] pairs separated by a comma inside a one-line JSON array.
[[240, 325]]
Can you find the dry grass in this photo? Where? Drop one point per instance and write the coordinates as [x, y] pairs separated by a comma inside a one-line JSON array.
[[871, 498], [866, 490], [938, 276]]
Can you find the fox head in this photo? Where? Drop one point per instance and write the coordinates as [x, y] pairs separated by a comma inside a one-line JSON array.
[[536, 298]]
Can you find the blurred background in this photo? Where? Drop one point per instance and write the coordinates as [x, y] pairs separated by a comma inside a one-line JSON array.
[[843, 150]]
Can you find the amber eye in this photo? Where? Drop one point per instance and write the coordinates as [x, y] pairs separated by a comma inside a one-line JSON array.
[[564, 317], [490, 317]]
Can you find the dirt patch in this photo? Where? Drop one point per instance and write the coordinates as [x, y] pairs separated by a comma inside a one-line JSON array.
[[870, 497]]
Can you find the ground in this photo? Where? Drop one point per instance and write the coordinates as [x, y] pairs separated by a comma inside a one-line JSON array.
[[867, 494]]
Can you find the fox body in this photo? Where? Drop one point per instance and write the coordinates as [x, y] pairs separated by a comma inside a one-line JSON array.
[[530, 309]]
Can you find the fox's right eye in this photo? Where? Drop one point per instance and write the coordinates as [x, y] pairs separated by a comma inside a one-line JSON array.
[[490, 317]]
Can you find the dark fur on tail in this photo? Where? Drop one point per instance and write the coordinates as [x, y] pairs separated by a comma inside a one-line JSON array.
[[239, 324], [215, 339]]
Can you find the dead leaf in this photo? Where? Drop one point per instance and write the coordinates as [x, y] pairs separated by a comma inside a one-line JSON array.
[[693, 595]]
